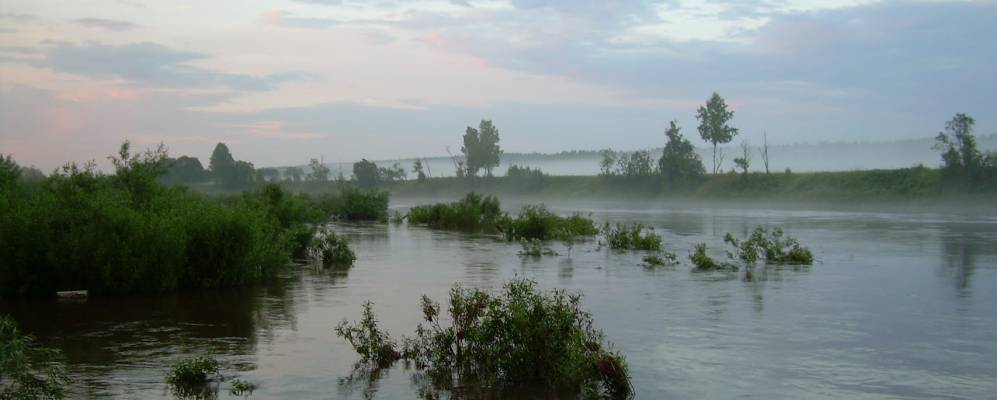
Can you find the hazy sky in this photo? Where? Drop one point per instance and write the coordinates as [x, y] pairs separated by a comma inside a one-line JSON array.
[[283, 81]]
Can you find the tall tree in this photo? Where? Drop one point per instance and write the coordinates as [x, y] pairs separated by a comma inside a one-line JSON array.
[[366, 173], [417, 170], [184, 170], [679, 160], [222, 165], [319, 171], [714, 119], [481, 149], [471, 148]]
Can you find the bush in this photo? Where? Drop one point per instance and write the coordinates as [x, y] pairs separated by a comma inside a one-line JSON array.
[[28, 371], [351, 204], [190, 377], [241, 388], [333, 250], [631, 237], [774, 246], [473, 213], [666, 258], [375, 345], [704, 262], [535, 248], [520, 337], [537, 222]]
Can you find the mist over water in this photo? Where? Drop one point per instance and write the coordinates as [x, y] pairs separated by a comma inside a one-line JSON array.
[[897, 306]]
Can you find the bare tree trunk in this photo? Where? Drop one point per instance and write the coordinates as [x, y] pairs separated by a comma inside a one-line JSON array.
[[714, 158], [765, 152]]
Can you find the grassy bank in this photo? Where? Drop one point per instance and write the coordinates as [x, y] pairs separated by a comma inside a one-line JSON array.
[[125, 233], [907, 186]]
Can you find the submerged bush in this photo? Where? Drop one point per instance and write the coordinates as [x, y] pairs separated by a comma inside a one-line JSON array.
[[241, 388], [373, 344], [772, 246], [520, 337], [535, 248], [631, 237], [333, 250], [473, 213], [28, 371], [538, 222], [190, 376], [704, 262], [655, 260]]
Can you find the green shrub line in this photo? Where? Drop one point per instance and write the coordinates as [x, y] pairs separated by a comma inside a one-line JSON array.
[[520, 337], [773, 247], [79, 229], [631, 237], [703, 262]]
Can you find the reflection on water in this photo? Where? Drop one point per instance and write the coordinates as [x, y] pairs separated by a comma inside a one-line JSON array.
[[897, 306]]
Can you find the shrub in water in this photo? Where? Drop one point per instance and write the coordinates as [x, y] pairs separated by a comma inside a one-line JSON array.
[[537, 222], [473, 213], [373, 344], [773, 246], [535, 248], [666, 258], [334, 251], [631, 237], [704, 262], [191, 376], [241, 388], [28, 371], [520, 337], [352, 204]]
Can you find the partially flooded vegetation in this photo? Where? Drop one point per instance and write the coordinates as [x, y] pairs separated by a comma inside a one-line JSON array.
[[634, 236], [520, 337]]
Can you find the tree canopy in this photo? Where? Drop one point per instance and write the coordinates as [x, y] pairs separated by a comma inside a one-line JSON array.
[[679, 160], [714, 119], [481, 148]]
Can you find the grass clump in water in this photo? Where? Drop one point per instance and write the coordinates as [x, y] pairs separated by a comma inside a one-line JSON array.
[[190, 377], [538, 222], [631, 237], [666, 258], [774, 247], [704, 262], [28, 371], [535, 248], [241, 388], [333, 250], [473, 213], [373, 344], [520, 337]]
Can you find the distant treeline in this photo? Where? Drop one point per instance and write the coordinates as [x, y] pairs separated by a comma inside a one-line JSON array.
[[79, 229]]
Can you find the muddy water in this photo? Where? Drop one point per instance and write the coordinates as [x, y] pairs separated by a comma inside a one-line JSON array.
[[897, 306]]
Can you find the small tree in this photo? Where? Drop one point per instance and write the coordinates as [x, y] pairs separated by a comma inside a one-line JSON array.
[[714, 119], [637, 163], [765, 151], [744, 161], [608, 160], [958, 146], [366, 173], [319, 171], [481, 149], [679, 161], [417, 170]]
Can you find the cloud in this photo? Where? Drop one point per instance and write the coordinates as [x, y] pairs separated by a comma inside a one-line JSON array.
[[150, 65], [17, 17], [109, 24]]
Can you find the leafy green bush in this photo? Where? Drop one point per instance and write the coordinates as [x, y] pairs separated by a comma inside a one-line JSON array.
[[125, 233], [28, 371], [537, 222], [334, 250], [473, 213], [352, 204], [773, 246], [704, 262], [375, 345], [655, 260], [520, 337], [190, 376], [631, 237]]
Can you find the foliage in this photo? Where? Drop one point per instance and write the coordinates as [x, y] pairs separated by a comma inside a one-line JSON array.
[[714, 119], [631, 237], [334, 251], [365, 173], [190, 376], [481, 149], [744, 161], [518, 172], [10, 172], [520, 337], [417, 169], [773, 246], [665, 258], [473, 213], [352, 204], [241, 388], [294, 174], [634, 164], [538, 222], [535, 248], [228, 172], [704, 262], [28, 371], [373, 344], [608, 160], [184, 171], [961, 158], [679, 161], [319, 172], [124, 233]]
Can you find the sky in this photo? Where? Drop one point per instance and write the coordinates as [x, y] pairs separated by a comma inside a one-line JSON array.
[[282, 81]]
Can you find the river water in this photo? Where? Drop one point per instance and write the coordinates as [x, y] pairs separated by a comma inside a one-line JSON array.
[[896, 306]]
